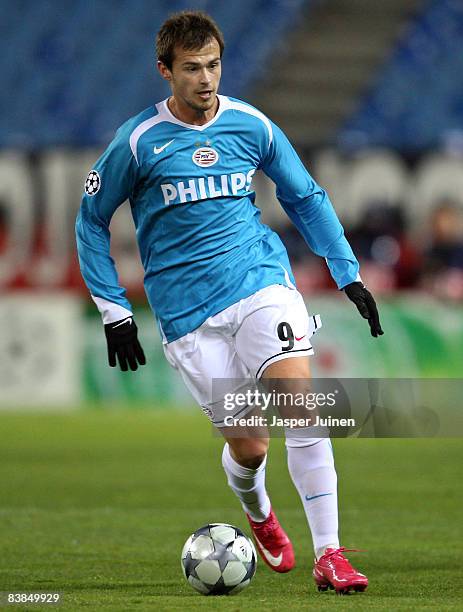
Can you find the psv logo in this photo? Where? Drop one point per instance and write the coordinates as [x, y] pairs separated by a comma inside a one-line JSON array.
[[205, 157]]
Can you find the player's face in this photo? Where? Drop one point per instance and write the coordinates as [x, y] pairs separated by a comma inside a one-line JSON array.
[[195, 77]]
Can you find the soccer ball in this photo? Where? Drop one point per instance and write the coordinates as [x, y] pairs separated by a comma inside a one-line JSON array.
[[219, 559]]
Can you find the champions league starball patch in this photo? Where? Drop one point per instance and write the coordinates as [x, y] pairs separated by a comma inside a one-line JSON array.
[[93, 183]]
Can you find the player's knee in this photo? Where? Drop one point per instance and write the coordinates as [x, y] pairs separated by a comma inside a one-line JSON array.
[[252, 462], [250, 452]]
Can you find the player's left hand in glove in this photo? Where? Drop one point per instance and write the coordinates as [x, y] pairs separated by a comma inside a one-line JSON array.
[[366, 305], [122, 340]]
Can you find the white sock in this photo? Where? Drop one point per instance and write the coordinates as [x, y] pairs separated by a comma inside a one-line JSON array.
[[311, 465], [248, 485]]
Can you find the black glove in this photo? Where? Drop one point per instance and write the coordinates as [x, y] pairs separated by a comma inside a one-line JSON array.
[[366, 305], [122, 340]]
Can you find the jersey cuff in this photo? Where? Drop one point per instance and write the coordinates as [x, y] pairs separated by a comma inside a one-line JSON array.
[[111, 312], [358, 279]]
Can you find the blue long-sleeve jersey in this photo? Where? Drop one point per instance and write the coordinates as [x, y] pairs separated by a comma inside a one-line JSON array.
[[201, 240]]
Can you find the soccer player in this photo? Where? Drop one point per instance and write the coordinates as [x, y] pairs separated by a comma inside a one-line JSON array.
[[218, 280]]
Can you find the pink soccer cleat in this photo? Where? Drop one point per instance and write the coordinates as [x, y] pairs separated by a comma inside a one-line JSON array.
[[273, 544], [333, 571]]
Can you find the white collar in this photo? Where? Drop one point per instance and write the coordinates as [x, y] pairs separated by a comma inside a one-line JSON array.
[[163, 108]]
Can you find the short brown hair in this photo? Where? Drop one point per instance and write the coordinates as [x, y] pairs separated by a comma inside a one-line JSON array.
[[189, 30]]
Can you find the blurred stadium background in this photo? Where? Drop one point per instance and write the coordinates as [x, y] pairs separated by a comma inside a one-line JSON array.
[[371, 94]]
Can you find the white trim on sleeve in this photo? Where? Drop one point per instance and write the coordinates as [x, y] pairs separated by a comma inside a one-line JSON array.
[[140, 130], [250, 110], [109, 311]]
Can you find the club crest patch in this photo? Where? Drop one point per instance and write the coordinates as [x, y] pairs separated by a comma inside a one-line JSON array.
[[93, 183], [205, 157]]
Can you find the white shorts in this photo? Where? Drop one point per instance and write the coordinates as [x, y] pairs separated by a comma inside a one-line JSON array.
[[240, 342]]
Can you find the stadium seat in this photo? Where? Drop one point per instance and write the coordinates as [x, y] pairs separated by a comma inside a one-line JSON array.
[[74, 71], [416, 99]]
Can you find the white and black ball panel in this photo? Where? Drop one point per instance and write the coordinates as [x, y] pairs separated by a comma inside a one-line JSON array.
[[223, 533], [201, 547], [187, 545], [243, 549], [208, 571], [198, 585], [234, 573]]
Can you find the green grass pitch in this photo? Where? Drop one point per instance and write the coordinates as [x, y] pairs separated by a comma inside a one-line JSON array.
[[97, 505]]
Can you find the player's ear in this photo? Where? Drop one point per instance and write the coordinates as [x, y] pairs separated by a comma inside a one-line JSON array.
[[164, 71]]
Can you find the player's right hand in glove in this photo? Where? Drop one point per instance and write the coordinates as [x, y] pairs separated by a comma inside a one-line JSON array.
[[366, 305], [122, 340]]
